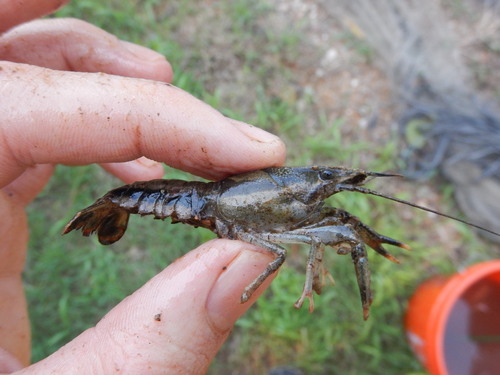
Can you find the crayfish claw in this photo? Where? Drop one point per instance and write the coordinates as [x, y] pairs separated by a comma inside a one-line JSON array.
[[391, 241], [362, 269], [298, 304], [380, 249], [375, 241], [311, 304], [300, 301]]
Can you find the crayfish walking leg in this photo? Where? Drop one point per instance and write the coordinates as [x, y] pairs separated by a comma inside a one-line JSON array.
[[271, 267], [313, 268]]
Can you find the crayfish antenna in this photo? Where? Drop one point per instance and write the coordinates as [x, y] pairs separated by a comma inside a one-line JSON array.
[[364, 190]]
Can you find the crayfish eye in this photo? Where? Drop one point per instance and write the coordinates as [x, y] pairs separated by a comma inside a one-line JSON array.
[[326, 175]]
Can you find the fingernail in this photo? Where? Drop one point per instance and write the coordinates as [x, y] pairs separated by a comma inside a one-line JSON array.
[[148, 163], [223, 303], [142, 52], [255, 133]]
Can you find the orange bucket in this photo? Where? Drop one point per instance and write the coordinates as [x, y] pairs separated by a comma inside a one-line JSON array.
[[453, 323]]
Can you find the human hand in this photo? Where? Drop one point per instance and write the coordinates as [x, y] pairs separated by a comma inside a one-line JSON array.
[[55, 112]]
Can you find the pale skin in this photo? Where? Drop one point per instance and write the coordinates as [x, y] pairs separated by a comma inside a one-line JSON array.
[[57, 110]]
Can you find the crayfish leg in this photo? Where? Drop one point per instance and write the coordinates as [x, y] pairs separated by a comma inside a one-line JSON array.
[[321, 273], [300, 301], [333, 216], [375, 240], [272, 267], [313, 268], [361, 266]]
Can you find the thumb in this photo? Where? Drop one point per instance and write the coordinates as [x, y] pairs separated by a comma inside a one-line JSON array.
[[174, 324]]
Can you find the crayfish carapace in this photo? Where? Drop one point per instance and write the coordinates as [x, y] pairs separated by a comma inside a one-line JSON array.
[[265, 207]]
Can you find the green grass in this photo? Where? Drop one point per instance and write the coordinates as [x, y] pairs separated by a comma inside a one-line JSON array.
[[73, 281]]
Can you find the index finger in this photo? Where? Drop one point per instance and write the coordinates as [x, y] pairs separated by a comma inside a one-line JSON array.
[[77, 118], [15, 12]]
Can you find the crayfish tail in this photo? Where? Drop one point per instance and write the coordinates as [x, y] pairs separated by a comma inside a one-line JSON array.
[[109, 221]]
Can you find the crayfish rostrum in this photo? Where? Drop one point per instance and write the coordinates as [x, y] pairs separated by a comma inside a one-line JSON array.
[[265, 208]]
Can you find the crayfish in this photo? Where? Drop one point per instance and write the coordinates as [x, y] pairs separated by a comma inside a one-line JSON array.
[[265, 207]]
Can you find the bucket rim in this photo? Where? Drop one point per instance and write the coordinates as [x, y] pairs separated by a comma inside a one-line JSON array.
[[441, 310]]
